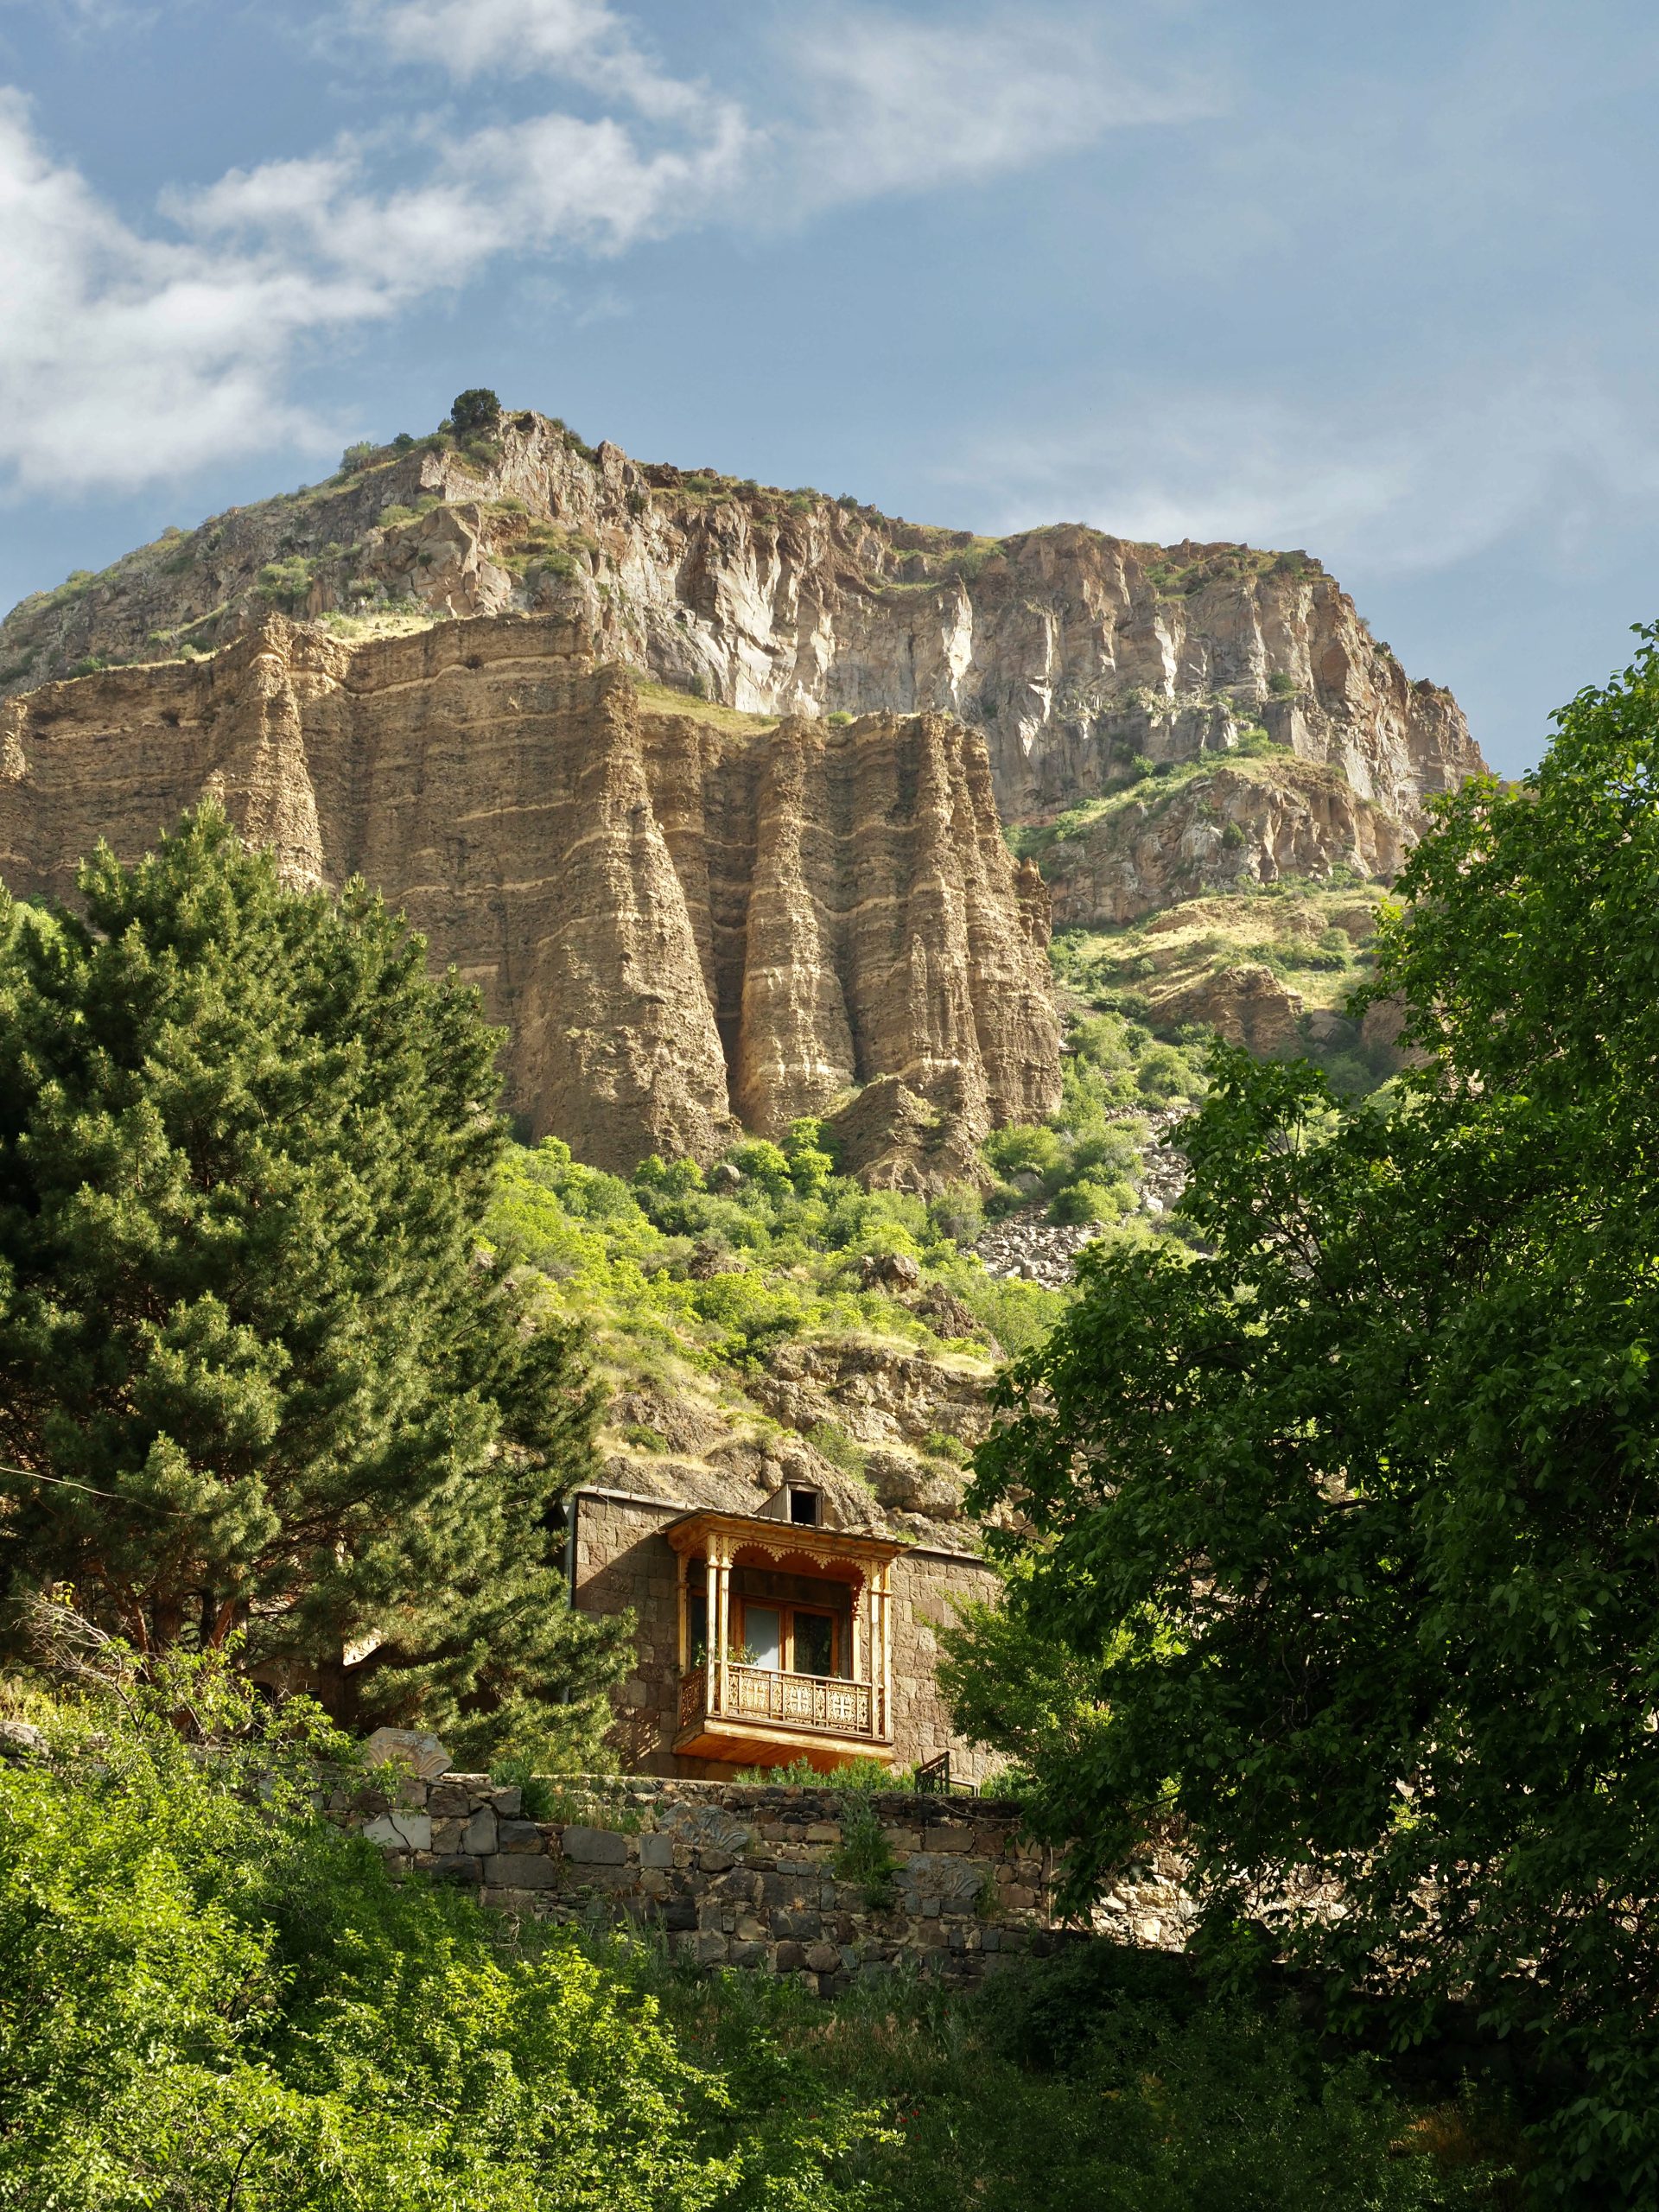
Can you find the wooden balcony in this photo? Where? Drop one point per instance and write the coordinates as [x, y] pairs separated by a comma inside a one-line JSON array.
[[836, 1601], [766, 1717]]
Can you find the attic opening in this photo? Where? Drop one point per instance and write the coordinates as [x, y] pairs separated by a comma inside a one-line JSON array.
[[806, 1506]]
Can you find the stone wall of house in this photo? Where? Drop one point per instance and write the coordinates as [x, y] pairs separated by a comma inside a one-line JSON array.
[[735, 1876], [623, 1560]]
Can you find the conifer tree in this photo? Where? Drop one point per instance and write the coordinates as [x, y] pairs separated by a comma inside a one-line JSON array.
[[257, 1372]]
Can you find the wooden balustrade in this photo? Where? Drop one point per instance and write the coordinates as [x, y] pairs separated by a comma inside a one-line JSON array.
[[768, 1694]]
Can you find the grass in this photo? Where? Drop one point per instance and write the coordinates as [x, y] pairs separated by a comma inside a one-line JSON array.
[[1145, 784], [1316, 937], [732, 722], [378, 622]]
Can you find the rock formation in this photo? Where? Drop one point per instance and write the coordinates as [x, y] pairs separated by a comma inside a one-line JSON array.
[[1230, 828], [1073, 652], [681, 919]]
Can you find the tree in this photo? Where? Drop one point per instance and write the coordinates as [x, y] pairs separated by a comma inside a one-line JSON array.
[[475, 414], [212, 1997], [1354, 1515], [256, 1373]]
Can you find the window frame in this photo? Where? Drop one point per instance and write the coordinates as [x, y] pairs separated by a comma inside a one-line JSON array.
[[786, 1609]]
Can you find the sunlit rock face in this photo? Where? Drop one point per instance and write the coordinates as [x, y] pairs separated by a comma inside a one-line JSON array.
[[1071, 651], [684, 926]]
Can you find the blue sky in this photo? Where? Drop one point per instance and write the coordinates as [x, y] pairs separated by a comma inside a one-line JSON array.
[[1375, 281]]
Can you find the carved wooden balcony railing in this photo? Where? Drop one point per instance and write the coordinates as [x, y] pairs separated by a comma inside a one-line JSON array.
[[768, 1695]]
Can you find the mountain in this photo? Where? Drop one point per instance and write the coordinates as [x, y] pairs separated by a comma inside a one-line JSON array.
[[700, 779], [1074, 653], [686, 920]]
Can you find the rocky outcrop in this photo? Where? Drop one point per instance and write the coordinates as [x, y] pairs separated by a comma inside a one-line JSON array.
[[1073, 652], [683, 922], [1246, 1005], [1231, 829]]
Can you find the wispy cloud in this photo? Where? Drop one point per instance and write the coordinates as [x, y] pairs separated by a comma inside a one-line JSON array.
[[897, 105], [585, 41], [1412, 480]]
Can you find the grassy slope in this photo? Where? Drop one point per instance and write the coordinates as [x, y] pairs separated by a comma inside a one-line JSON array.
[[628, 1259]]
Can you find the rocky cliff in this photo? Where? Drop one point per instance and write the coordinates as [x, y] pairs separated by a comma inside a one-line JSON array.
[[1077, 654], [1234, 828], [681, 916]]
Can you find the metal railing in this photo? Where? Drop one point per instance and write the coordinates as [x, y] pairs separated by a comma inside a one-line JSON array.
[[767, 1694]]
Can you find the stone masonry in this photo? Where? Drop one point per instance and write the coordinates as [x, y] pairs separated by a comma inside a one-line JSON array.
[[738, 1876]]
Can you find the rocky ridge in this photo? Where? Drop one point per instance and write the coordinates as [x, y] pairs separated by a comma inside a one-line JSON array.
[[1076, 653], [684, 925]]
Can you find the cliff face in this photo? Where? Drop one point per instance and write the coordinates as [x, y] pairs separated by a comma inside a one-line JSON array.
[[1072, 651], [1231, 827], [682, 918]]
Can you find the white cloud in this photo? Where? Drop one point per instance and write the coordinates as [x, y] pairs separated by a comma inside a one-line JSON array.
[[898, 105], [1409, 482], [125, 358], [132, 353], [584, 41]]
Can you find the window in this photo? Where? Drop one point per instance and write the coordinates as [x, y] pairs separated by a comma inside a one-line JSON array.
[[799, 1639], [814, 1642], [803, 1508]]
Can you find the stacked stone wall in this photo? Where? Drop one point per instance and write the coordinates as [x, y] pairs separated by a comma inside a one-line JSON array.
[[736, 1875]]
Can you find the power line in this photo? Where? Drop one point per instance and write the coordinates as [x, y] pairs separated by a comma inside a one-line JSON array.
[[30, 1474]]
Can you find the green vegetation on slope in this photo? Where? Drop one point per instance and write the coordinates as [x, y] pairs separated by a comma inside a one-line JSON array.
[[688, 1279], [212, 1997]]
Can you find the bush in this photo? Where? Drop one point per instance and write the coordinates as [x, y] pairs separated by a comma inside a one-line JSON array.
[[212, 1996], [285, 582], [1164, 1073], [1282, 684], [1090, 1201], [475, 414], [1024, 1149]]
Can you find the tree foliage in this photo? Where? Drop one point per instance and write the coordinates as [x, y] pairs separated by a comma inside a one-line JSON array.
[[1354, 1515], [253, 1375], [212, 1997], [475, 413]]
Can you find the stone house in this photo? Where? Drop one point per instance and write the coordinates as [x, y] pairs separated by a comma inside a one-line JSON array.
[[800, 1630]]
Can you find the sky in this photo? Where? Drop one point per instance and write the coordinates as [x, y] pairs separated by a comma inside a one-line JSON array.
[[1378, 281]]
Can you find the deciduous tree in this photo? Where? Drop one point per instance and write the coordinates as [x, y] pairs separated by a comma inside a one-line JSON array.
[[1355, 1514]]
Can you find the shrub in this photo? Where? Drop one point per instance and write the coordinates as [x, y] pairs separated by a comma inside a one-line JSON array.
[[284, 582], [356, 458], [475, 413], [832, 1441], [1164, 1073], [864, 1854], [1023, 1147], [212, 1997], [1089, 1201], [1282, 684]]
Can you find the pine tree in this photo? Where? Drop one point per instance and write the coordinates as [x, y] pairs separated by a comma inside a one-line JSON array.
[[258, 1374]]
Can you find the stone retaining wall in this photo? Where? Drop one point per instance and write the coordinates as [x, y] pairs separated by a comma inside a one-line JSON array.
[[735, 1876]]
